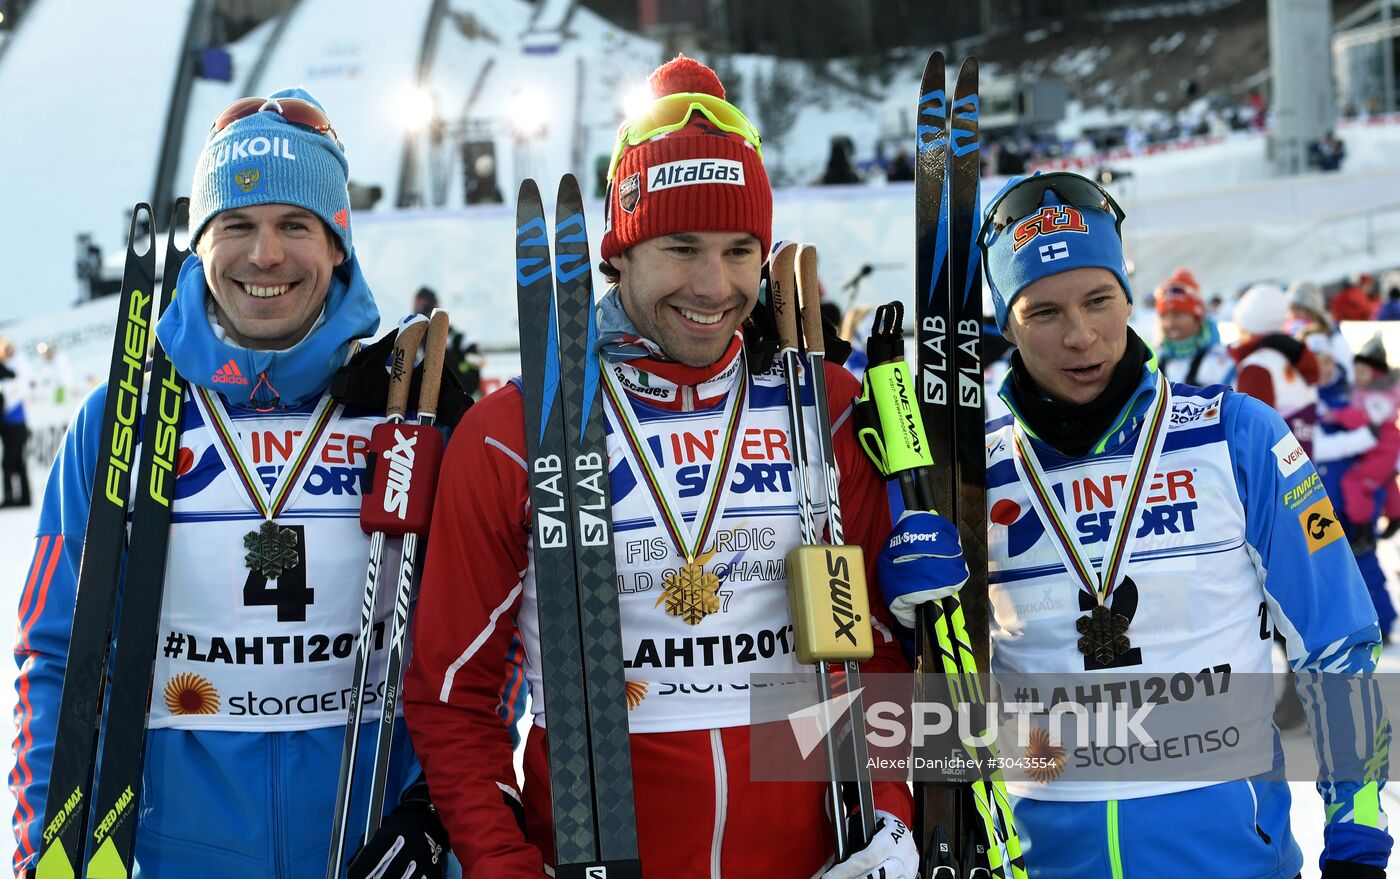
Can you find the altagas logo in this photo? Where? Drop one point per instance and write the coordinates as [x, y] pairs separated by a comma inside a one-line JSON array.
[[400, 461], [692, 172]]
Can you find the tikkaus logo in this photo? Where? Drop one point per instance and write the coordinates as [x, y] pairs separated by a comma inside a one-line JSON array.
[[1051, 220]]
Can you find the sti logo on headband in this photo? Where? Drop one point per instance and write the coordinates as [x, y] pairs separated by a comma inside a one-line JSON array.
[[1051, 220], [691, 172]]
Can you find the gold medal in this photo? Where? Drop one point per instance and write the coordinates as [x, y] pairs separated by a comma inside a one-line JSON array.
[[692, 593]]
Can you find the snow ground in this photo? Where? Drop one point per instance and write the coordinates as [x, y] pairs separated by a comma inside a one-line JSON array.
[[16, 546]]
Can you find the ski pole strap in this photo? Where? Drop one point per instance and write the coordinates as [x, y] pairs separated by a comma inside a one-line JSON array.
[[889, 425], [829, 604]]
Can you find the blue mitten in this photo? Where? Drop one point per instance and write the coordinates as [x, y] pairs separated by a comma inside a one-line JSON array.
[[922, 561]]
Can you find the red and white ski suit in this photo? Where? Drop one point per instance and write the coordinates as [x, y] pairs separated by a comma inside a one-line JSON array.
[[699, 814]]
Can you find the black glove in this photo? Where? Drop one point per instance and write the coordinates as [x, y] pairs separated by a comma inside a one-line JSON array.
[[364, 382], [1350, 870], [761, 335], [410, 844]]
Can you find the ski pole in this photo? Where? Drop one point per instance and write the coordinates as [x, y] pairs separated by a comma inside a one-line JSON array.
[[892, 432], [826, 583], [406, 345], [401, 502], [809, 306]]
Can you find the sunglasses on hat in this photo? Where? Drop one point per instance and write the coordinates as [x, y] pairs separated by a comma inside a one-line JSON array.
[[673, 112], [1025, 199], [294, 110]]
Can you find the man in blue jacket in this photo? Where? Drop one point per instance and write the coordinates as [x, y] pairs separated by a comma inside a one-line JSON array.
[[1140, 528], [248, 702]]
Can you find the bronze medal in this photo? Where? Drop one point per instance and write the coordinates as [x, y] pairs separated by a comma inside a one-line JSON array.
[[692, 593], [1103, 635], [271, 550]]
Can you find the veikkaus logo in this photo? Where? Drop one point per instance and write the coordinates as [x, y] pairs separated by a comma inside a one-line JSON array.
[[400, 461], [691, 172]]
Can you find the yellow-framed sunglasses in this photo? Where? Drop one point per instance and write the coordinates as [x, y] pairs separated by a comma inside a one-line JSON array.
[[673, 112]]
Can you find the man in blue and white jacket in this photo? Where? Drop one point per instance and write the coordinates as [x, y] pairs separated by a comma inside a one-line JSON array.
[[1231, 534], [248, 703]]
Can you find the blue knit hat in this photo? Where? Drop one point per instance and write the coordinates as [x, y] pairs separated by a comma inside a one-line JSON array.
[[264, 159], [1056, 239]]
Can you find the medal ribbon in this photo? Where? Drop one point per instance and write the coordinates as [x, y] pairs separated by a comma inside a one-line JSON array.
[[233, 449], [1151, 439], [666, 507]]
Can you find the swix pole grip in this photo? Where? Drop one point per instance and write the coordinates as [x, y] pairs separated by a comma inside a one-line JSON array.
[[407, 460]]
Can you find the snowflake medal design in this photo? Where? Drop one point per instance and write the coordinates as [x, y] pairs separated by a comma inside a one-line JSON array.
[[271, 550], [692, 593], [1105, 635]]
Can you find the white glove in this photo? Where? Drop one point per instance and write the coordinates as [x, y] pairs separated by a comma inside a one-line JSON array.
[[891, 854]]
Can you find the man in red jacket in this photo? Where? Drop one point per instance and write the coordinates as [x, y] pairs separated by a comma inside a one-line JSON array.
[[683, 254]]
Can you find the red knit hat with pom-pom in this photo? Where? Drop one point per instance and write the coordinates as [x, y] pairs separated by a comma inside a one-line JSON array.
[[695, 179], [1181, 292]]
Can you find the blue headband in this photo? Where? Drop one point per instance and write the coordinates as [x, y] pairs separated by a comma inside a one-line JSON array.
[[1056, 239]]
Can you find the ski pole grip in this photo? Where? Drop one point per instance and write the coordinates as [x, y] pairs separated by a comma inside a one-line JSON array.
[[403, 479], [901, 425], [406, 345], [829, 603], [782, 292], [809, 291], [434, 352]]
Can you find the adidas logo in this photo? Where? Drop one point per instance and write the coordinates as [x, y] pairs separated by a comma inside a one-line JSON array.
[[229, 374]]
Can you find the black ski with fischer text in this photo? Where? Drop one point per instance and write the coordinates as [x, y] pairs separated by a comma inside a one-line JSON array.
[[574, 567], [69, 800], [116, 805]]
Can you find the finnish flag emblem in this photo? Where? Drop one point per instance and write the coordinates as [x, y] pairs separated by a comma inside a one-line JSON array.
[[1052, 252]]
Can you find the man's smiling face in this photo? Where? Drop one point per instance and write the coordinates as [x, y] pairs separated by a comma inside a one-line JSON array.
[[268, 268]]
